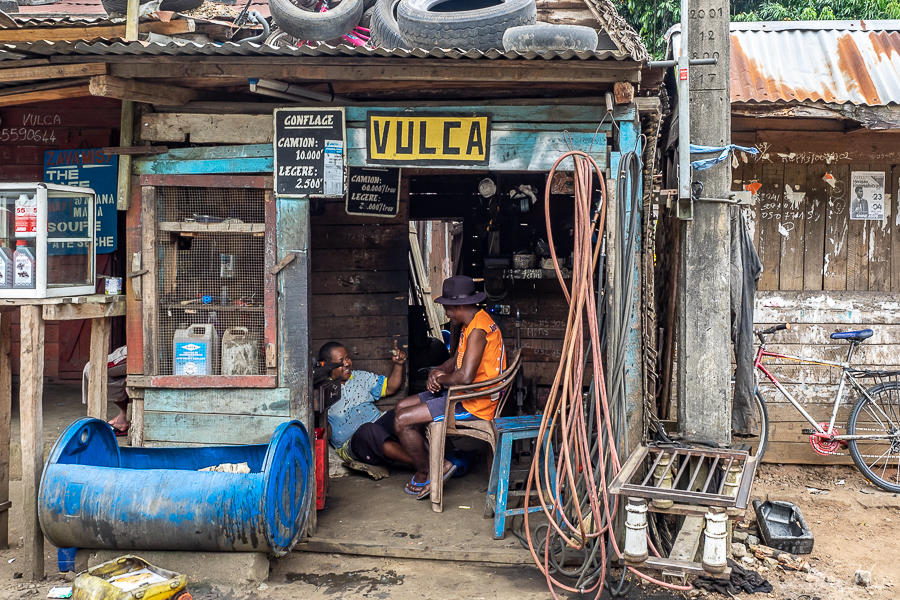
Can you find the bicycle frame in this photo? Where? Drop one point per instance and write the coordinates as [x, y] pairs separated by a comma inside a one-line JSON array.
[[845, 377]]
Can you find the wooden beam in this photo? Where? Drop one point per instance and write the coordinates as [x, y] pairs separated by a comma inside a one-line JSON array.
[[134, 150], [97, 378], [31, 377], [149, 282], [77, 91], [140, 91], [688, 539], [132, 20], [326, 69], [126, 138], [88, 310], [52, 72], [499, 556], [5, 420], [74, 34]]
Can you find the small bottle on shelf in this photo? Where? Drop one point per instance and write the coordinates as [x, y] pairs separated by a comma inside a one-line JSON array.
[[23, 266], [6, 268]]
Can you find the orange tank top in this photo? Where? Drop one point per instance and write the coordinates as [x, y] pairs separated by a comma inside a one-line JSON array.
[[493, 362]]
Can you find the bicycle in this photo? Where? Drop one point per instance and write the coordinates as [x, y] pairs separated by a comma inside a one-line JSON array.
[[873, 428]]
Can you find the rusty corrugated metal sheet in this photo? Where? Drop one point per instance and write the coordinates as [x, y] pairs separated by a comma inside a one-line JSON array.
[[856, 62]]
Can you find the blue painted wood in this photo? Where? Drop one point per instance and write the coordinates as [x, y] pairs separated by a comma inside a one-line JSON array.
[[208, 428], [568, 113], [95, 495], [207, 166], [511, 150], [510, 429], [272, 402]]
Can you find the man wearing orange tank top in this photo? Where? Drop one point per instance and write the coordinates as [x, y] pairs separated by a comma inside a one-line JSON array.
[[479, 357]]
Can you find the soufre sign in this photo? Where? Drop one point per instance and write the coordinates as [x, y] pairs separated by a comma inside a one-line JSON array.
[[82, 168], [404, 138]]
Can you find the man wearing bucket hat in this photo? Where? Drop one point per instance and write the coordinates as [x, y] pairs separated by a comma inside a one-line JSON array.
[[480, 356]]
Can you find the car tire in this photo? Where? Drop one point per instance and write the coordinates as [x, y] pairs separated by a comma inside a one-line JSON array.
[[481, 29], [543, 37], [316, 26], [385, 31], [119, 7]]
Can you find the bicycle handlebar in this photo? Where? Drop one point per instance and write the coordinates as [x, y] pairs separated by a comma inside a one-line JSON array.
[[771, 330]]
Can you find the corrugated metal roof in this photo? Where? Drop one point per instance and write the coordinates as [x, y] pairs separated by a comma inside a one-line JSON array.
[[103, 47], [839, 62]]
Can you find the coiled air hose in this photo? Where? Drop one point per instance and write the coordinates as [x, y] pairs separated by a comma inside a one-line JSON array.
[[590, 436]]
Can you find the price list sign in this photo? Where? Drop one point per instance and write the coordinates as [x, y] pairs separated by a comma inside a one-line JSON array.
[[309, 152], [373, 192]]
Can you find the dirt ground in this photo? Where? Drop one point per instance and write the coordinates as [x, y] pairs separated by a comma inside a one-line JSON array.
[[852, 521]]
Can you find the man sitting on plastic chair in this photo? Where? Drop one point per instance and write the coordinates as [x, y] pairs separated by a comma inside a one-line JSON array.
[[479, 357]]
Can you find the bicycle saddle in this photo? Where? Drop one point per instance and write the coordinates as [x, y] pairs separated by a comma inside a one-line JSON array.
[[856, 336]]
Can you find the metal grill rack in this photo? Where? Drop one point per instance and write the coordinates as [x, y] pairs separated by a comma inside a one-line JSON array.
[[211, 256]]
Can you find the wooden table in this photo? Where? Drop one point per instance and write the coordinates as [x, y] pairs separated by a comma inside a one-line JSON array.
[[33, 313]]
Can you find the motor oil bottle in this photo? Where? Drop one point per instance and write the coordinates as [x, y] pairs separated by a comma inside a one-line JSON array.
[[195, 350], [6, 269], [23, 266]]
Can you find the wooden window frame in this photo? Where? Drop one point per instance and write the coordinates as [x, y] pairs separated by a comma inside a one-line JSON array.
[[150, 297]]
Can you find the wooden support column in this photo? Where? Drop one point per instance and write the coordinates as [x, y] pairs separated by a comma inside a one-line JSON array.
[[5, 421], [293, 316], [132, 20], [126, 138], [31, 387], [97, 378]]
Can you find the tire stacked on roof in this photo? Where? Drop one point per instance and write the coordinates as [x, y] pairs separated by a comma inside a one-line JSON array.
[[311, 25], [384, 29], [428, 24], [543, 37]]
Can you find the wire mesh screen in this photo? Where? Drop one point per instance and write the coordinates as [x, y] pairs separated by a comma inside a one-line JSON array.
[[211, 281]]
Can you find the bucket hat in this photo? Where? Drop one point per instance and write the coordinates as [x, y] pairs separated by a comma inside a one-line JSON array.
[[459, 290]]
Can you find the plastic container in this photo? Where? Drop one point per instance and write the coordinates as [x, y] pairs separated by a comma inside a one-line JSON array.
[[240, 355], [23, 266], [782, 526], [137, 580], [195, 350], [65, 559], [321, 474], [6, 269], [94, 494]]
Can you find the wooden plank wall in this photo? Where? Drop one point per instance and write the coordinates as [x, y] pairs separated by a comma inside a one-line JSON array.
[[822, 273], [360, 283], [26, 132]]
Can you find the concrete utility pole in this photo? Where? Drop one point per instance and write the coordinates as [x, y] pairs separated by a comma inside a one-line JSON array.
[[704, 317]]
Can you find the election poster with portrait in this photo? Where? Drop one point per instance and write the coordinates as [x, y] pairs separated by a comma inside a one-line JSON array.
[[867, 195]]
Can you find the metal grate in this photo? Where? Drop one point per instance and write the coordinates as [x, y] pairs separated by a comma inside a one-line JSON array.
[[687, 475], [211, 262]]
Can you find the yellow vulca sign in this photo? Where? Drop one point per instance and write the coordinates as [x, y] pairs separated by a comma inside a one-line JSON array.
[[393, 138]]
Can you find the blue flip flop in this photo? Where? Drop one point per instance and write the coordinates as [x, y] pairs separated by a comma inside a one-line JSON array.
[[415, 484], [425, 493]]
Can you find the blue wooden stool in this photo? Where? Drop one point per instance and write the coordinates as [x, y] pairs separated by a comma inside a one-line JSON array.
[[510, 429]]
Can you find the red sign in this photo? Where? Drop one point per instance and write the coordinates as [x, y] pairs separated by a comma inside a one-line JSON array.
[[682, 74]]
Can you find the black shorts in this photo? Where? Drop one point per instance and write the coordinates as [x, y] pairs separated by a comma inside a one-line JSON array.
[[367, 442]]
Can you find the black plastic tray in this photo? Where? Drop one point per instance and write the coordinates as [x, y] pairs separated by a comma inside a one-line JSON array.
[[782, 526]]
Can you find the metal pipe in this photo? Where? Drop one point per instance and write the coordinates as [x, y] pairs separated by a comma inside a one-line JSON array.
[[694, 62], [684, 110]]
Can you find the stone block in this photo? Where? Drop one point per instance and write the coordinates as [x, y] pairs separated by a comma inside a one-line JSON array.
[[214, 568], [863, 578]]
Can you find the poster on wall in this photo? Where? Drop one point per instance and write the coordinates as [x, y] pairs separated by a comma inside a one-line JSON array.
[[867, 195], [373, 192], [309, 147], [91, 169]]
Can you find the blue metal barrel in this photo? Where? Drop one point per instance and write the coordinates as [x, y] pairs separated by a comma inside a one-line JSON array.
[[95, 494]]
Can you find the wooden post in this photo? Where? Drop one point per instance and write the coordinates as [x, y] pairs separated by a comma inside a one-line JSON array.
[[5, 421], [294, 371], [126, 138], [97, 378], [31, 387], [132, 18]]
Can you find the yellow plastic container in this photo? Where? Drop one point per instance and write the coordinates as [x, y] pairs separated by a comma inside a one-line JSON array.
[[94, 584]]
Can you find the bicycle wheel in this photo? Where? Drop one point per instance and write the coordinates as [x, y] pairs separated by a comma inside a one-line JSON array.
[[758, 444], [879, 413]]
